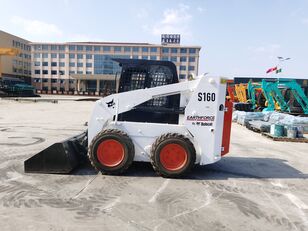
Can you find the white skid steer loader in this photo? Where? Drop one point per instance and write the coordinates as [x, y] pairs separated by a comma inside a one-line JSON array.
[[199, 135]]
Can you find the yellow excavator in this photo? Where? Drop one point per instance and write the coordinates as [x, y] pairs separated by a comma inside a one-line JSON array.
[[12, 87], [7, 52], [240, 90]]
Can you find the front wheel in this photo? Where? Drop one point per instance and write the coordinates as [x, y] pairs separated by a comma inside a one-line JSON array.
[[111, 151], [172, 155]]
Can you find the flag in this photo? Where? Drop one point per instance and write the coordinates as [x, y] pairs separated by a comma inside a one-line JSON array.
[[278, 70], [271, 70]]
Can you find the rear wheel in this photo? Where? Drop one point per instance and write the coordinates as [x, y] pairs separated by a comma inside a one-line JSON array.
[[172, 155], [111, 151]]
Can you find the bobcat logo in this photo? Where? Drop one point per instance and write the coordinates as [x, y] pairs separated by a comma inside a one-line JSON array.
[[110, 104]]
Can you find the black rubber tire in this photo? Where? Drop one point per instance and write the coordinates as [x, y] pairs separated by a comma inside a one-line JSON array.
[[170, 138], [129, 151]]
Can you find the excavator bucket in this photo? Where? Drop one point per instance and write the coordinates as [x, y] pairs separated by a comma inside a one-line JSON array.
[[61, 157]]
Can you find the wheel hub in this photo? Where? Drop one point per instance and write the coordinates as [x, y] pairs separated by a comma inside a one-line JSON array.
[[110, 153], [173, 157]]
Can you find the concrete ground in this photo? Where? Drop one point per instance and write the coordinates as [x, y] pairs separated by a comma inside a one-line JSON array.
[[259, 185]]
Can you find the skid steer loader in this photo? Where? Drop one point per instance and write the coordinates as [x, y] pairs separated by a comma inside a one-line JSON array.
[[153, 118]]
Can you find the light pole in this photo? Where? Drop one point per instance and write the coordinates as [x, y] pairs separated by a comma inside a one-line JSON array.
[[280, 61]]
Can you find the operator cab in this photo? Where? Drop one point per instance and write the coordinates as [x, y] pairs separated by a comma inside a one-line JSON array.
[[141, 74]]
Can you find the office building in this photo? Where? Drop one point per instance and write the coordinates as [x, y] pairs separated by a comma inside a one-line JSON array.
[[87, 67], [16, 66]]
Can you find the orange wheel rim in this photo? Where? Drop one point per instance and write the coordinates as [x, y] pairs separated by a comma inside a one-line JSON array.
[[110, 153], [173, 157]]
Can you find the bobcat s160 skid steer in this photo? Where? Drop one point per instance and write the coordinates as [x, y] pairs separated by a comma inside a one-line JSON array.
[[153, 118]]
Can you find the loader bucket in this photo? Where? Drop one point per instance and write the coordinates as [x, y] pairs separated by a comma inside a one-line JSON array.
[[61, 157]]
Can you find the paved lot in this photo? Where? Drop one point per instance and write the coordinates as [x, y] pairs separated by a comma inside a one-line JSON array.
[[260, 185]]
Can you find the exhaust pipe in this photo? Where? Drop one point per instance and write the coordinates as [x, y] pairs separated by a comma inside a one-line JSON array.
[[61, 157]]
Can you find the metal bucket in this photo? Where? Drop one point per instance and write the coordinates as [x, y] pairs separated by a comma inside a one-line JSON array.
[[277, 130], [61, 157], [300, 131], [291, 132]]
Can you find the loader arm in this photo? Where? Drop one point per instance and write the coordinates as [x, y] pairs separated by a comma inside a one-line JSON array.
[[107, 109]]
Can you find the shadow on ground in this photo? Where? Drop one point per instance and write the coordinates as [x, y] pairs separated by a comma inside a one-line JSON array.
[[227, 167]]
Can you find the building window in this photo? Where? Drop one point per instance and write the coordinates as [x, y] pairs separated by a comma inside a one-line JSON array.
[[182, 68], [135, 49], [53, 64], [37, 55], [117, 49], [164, 58], [174, 50], [72, 72], [89, 72], [88, 48], [181, 76], [37, 47], [135, 57], [62, 48], [127, 49], [192, 50], [191, 68], [144, 57], [79, 48], [97, 48], [183, 50], [53, 47], [173, 59], [80, 72], [53, 72], [61, 56], [45, 80], [88, 56], [79, 64], [153, 57], [79, 56], [45, 64], [71, 47], [45, 55], [61, 64], [192, 59], [145, 49], [183, 59], [37, 72], [45, 47], [62, 72], [165, 50], [153, 49], [37, 64], [72, 56], [54, 80], [53, 55], [106, 48], [88, 64], [45, 72], [72, 64]]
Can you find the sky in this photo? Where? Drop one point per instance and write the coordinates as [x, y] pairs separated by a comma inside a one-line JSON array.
[[238, 37]]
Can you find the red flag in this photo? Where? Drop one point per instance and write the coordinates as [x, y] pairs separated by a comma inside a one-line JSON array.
[[271, 70]]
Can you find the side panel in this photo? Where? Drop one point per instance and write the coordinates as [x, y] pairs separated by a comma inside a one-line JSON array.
[[204, 116], [227, 128]]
